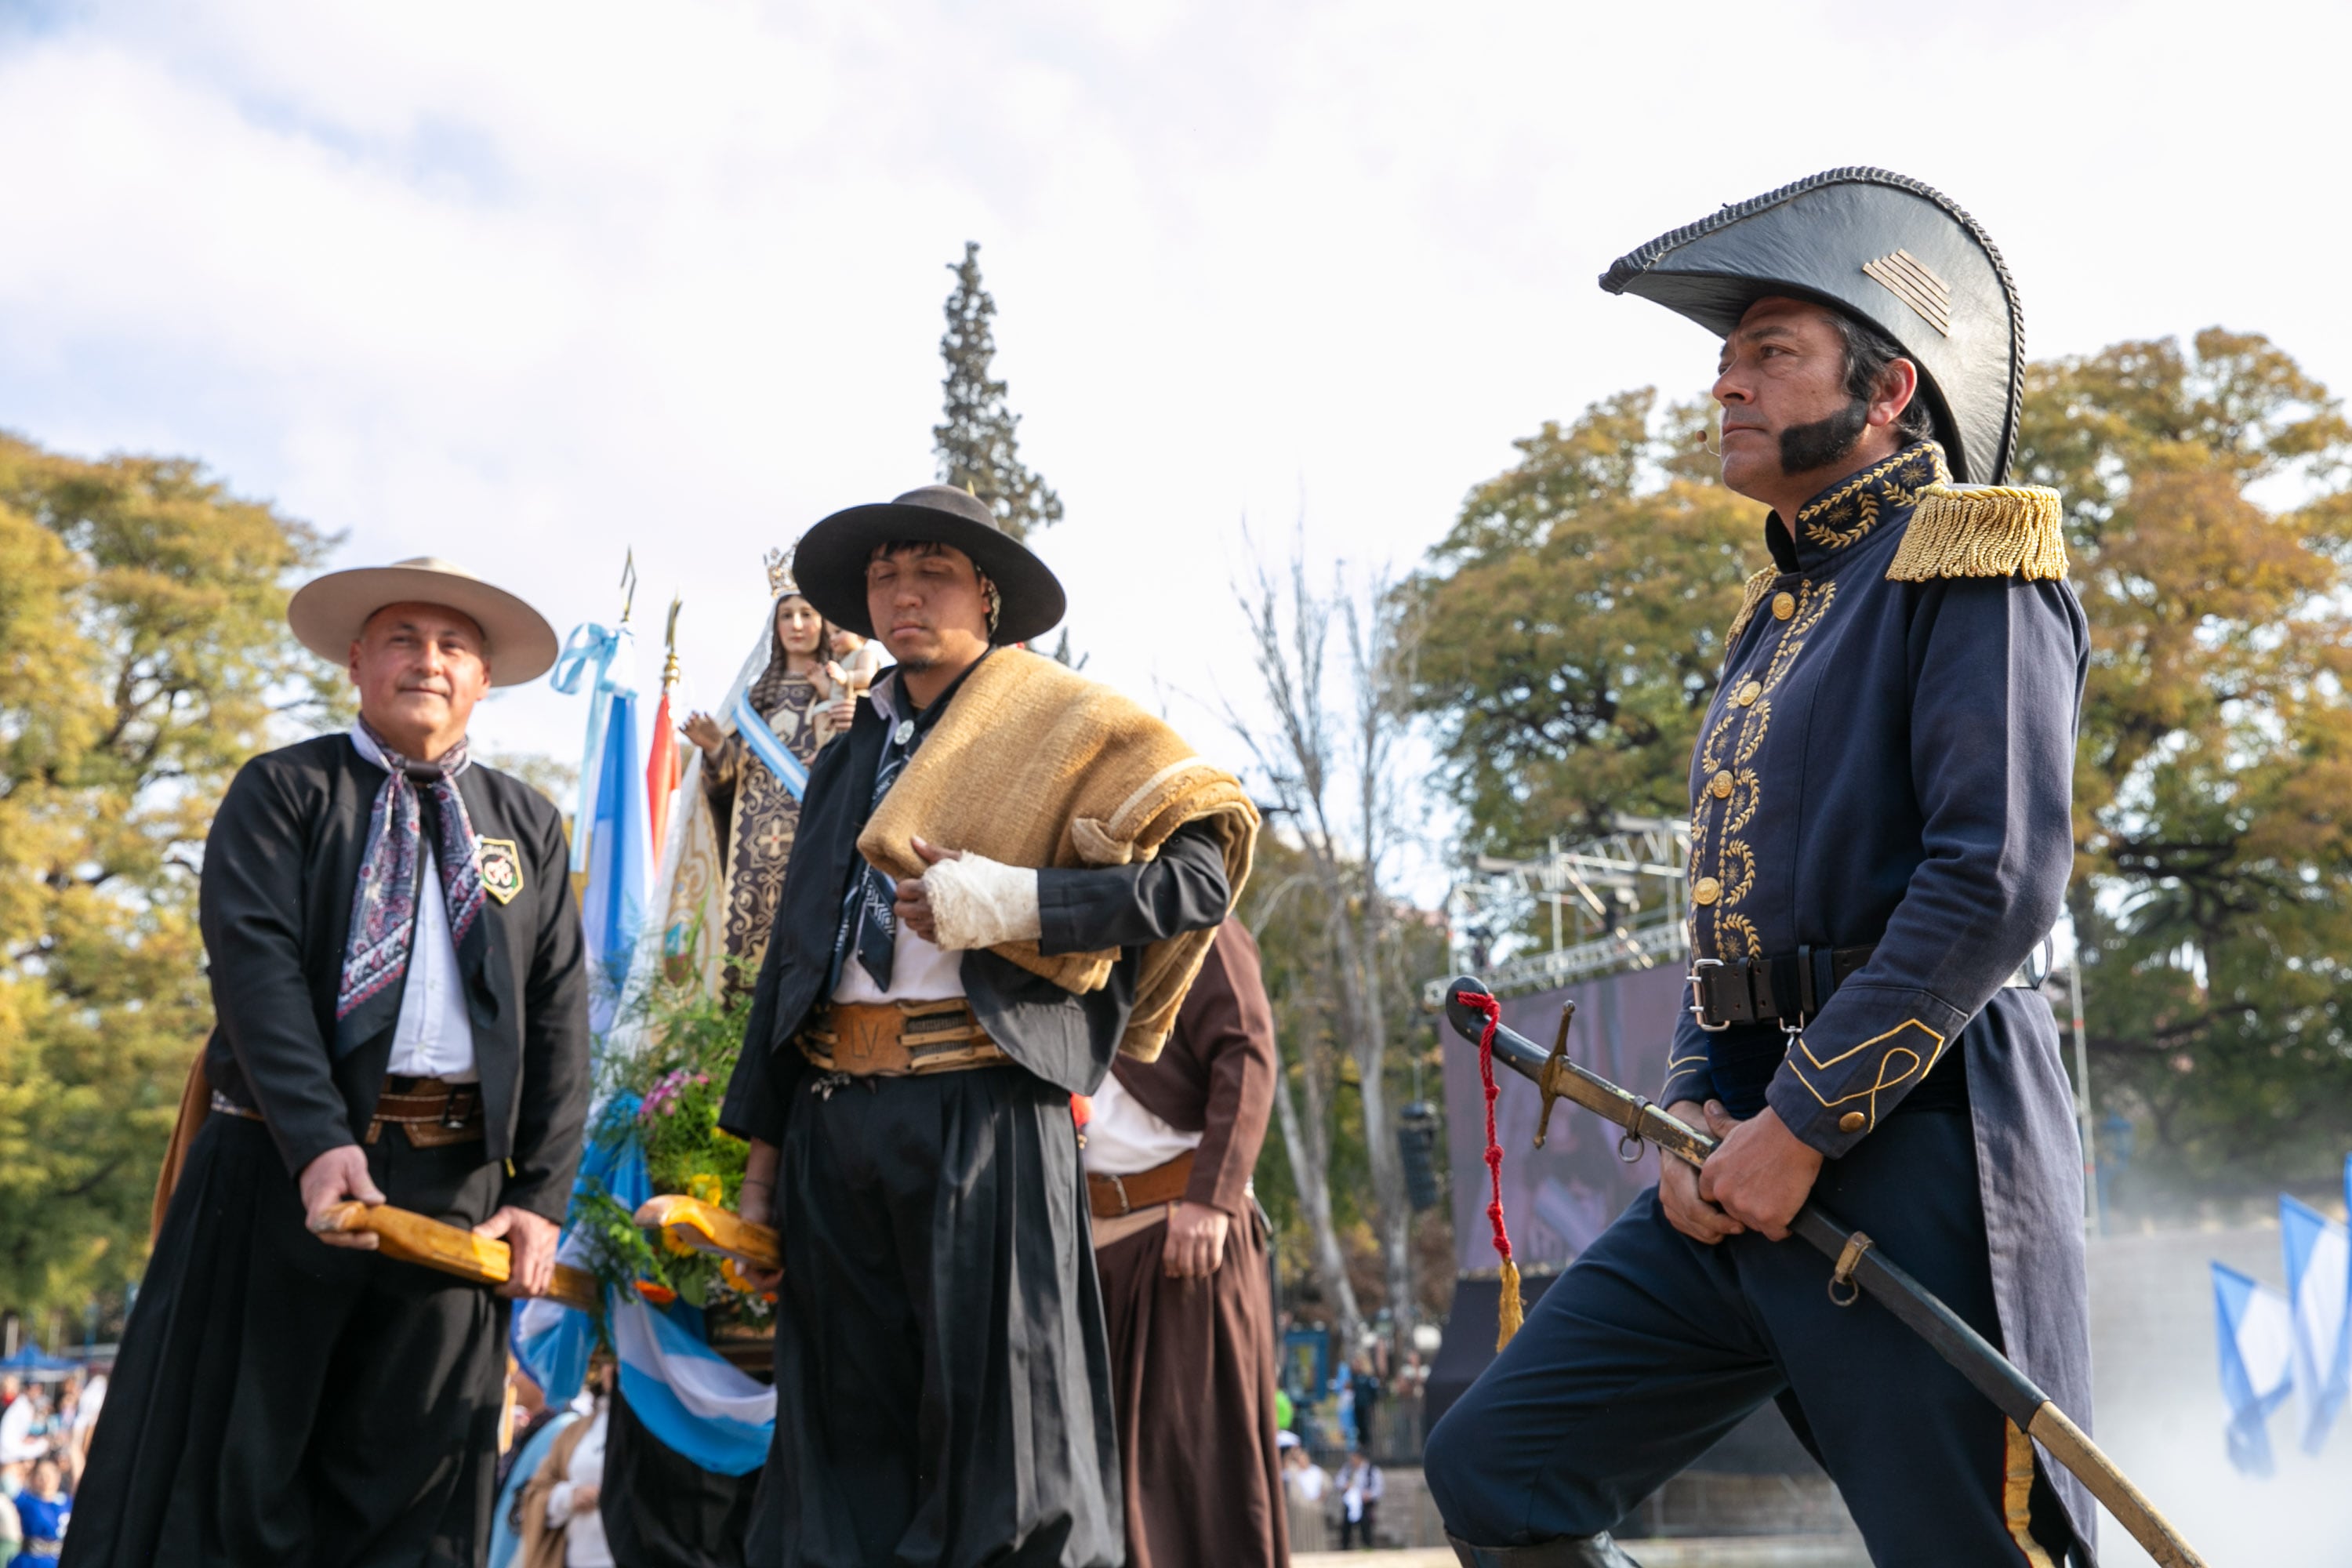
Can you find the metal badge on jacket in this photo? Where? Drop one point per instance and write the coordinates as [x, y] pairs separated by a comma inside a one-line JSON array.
[[500, 863]]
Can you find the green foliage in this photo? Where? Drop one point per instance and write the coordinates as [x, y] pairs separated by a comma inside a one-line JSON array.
[[2213, 787], [977, 440], [143, 616], [1573, 620], [668, 1096]]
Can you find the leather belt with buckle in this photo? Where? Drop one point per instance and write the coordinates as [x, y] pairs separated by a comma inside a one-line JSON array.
[[897, 1039], [1113, 1197], [1790, 988], [431, 1113]]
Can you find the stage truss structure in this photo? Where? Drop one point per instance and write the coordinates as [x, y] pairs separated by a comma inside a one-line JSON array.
[[1610, 904]]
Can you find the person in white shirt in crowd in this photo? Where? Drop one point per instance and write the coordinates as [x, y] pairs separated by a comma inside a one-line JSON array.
[[1360, 1486], [562, 1524]]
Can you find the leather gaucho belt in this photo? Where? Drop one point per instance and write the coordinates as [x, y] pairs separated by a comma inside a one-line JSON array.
[[1114, 1197], [1791, 987], [897, 1039], [433, 1114]]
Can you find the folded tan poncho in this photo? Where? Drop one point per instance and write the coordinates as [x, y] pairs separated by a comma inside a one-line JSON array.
[[1035, 765]]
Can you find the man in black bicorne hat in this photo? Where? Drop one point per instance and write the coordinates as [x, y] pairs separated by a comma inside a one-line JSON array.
[[1881, 836], [400, 996], [1006, 874]]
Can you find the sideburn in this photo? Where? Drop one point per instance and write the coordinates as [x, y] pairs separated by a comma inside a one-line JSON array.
[[1806, 448]]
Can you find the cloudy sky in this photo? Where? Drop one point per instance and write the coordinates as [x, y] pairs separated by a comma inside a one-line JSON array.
[[531, 284]]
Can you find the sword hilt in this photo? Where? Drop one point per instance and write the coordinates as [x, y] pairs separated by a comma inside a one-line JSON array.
[[1548, 1083]]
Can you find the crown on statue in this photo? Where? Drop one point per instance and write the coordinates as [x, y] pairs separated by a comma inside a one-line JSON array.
[[779, 574]]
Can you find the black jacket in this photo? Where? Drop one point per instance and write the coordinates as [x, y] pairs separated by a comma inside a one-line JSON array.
[[280, 866], [1067, 1040]]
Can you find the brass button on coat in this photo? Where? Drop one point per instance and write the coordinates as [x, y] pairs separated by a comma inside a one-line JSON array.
[[1784, 605], [1706, 890], [1749, 693], [1721, 783], [1851, 1122]]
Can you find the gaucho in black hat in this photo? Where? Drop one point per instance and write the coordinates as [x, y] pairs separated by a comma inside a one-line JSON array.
[[1005, 875], [1880, 840]]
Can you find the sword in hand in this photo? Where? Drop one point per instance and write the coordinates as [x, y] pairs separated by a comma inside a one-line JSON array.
[[1858, 1267]]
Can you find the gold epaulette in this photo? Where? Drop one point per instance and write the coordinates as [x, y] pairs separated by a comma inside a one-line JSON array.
[[1749, 597], [1983, 530]]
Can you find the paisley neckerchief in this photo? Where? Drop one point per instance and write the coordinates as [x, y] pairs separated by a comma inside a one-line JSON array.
[[383, 905]]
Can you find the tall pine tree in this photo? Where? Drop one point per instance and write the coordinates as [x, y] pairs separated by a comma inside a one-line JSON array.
[[977, 443]]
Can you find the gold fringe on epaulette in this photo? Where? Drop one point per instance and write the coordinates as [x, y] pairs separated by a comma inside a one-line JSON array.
[[1749, 597], [1983, 530]]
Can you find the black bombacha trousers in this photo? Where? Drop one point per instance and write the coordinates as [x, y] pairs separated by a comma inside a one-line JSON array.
[[281, 1401], [942, 1375]]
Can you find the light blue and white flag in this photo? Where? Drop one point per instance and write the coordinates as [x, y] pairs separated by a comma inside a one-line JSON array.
[[606, 661], [689, 1396], [619, 839], [553, 1341], [2257, 1334], [2319, 1289], [697, 1402]]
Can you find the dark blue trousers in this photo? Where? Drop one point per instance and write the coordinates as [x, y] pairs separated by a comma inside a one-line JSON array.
[[1653, 1346]]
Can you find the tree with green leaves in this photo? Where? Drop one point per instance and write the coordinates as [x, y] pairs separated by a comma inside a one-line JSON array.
[[2209, 524], [977, 440], [143, 614], [1573, 624]]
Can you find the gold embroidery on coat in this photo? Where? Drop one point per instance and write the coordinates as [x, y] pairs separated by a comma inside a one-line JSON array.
[[1751, 594], [1852, 509], [1884, 1079], [1723, 866]]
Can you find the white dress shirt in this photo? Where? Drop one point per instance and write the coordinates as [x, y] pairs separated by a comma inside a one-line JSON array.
[[584, 1532], [920, 971], [434, 1034], [1124, 1139]]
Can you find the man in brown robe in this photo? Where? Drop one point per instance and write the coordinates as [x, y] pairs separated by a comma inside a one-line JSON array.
[[1182, 1251]]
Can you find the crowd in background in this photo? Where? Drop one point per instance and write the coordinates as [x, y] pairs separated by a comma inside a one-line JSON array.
[[1334, 1437], [44, 1431]]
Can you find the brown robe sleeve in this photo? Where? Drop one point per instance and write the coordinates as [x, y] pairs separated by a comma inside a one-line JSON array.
[[1227, 1024]]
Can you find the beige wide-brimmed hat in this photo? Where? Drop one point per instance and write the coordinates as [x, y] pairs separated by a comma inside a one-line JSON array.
[[328, 612]]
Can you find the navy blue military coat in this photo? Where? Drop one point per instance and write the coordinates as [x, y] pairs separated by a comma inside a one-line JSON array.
[[1890, 761]]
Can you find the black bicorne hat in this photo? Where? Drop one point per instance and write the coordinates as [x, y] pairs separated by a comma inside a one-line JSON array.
[[1889, 251], [830, 562]]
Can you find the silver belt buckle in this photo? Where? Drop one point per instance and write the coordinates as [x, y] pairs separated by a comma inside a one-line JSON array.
[[1699, 1004]]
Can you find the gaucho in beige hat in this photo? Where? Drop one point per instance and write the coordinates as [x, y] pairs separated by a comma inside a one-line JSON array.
[[401, 997]]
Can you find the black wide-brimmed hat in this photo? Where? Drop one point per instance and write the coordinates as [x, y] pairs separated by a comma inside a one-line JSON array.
[[1877, 245], [830, 562]]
